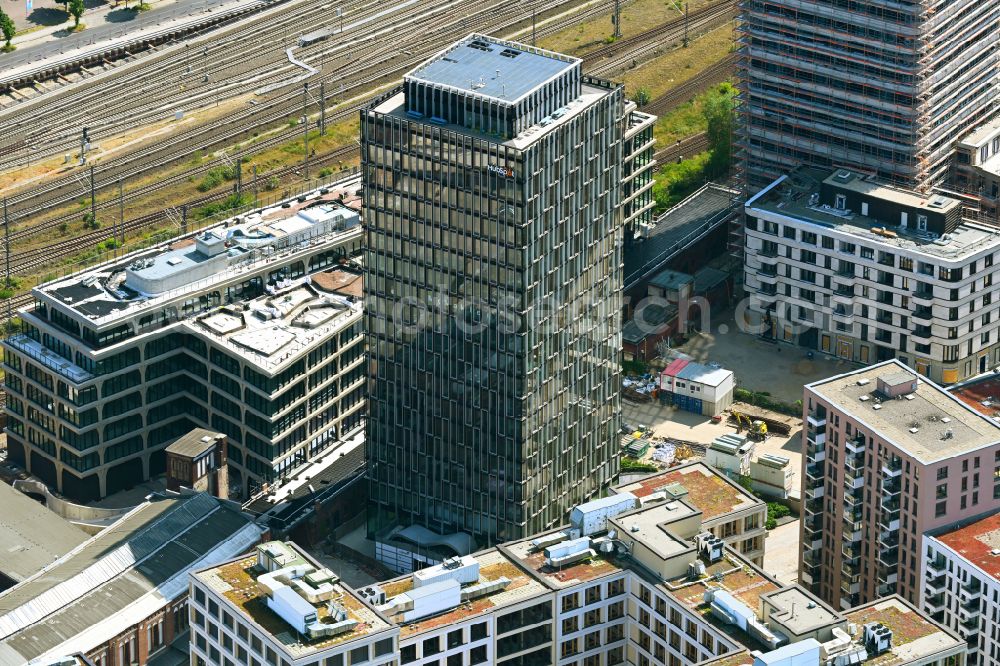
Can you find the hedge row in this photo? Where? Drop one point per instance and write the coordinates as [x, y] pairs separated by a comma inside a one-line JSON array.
[[764, 400]]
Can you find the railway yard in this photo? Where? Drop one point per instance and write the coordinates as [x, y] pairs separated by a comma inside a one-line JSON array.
[[174, 113]]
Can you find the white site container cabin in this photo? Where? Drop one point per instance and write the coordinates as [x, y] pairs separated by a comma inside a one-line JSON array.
[[592, 517]]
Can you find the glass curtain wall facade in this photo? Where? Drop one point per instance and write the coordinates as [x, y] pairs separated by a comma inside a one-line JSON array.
[[494, 285]]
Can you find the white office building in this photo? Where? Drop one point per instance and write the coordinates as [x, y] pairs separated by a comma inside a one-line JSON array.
[[840, 264]]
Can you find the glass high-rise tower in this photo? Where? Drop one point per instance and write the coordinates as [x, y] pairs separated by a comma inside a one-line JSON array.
[[492, 193]]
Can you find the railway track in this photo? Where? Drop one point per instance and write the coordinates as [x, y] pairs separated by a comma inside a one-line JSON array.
[[201, 72], [33, 259], [621, 55], [353, 77], [686, 147], [717, 73]]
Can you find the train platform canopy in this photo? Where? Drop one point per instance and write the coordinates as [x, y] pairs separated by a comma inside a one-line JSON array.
[[119, 577]]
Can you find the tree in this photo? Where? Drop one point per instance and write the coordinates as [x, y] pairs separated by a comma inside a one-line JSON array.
[[8, 30], [642, 96], [720, 114], [76, 9]]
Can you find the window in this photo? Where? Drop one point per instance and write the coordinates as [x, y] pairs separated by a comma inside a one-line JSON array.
[[940, 509], [921, 223], [942, 473], [478, 655], [840, 203]]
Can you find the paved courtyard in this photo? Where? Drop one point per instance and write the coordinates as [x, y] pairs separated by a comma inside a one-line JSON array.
[[781, 552], [778, 368]]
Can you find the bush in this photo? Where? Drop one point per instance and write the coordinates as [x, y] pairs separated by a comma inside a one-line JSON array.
[[108, 244], [325, 171], [642, 96], [634, 367], [90, 222], [763, 399], [677, 180], [232, 202], [273, 183], [633, 465], [216, 177], [775, 511]]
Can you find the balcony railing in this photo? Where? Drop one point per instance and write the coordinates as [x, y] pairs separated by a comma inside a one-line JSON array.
[[936, 583], [892, 470], [934, 603]]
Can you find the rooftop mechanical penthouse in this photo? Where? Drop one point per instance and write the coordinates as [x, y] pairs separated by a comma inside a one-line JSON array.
[[493, 198], [223, 329], [638, 578]]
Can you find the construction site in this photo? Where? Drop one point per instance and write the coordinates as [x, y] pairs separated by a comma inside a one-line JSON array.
[[887, 88]]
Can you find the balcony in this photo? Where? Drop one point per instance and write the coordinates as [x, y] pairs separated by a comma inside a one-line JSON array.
[[844, 291], [852, 529], [813, 525], [935, 568], [815, 473], [892, 470], [815, 492], [815, 437], [853, 483], [923, 313], [889, 529], [851, 553], [854, 464], [921, 332], [767, 277], [888, 562], [853, 515], [936, 584], [815, 420], [855, 446], [853, 499], [885, 589], [926, 295], [935, 603], [968, 592], [969, 611]]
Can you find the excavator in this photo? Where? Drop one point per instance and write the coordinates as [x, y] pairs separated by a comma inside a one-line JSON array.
[[756, 430]]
